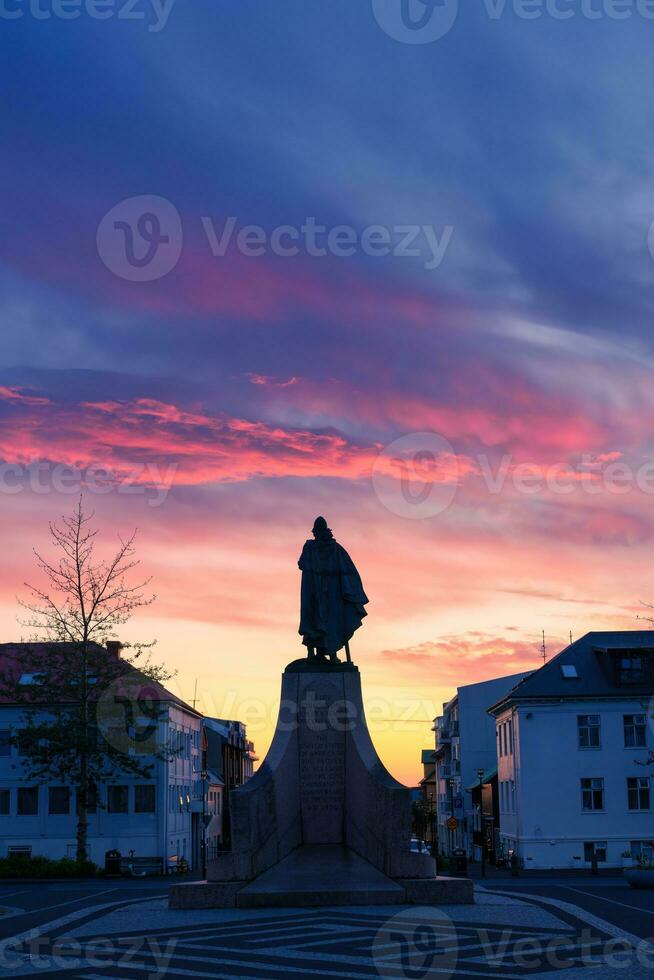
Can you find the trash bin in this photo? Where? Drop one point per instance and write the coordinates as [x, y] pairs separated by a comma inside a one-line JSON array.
[[459, 861], [112, 863]]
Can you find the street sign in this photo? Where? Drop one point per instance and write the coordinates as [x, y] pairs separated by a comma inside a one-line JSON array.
[[458, 804], [452, 823]]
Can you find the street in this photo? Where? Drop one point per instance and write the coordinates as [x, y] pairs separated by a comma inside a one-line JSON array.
[[123, 929]]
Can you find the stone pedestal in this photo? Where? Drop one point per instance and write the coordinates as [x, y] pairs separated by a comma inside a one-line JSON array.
[[321, 814]]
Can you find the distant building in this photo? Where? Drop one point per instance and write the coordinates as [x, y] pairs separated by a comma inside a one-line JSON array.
[[572, 742], [229, 759], [425, 810], [465, 743], [158, 818]]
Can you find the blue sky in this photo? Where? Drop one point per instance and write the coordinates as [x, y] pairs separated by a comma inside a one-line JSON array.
[[272, 383]]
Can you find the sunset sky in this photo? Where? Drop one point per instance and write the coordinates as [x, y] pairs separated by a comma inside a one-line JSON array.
[[266, 390]]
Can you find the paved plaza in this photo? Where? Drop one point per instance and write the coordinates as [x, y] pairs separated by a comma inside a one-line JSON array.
[[503, 936]]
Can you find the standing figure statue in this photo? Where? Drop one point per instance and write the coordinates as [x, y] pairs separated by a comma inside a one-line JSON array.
[[332, 598]]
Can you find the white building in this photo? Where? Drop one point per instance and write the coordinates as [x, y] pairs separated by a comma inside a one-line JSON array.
[[572, 742], [155, 817], [465, 743]]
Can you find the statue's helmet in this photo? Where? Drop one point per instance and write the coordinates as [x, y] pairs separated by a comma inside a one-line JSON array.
[[320, 524]]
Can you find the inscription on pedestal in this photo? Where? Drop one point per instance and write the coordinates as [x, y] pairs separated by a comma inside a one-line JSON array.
[[322, 762]]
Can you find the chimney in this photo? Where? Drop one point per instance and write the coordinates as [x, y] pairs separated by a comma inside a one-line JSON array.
[[114, 647]]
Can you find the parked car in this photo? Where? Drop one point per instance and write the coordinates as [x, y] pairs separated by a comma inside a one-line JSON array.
[[419, 846]]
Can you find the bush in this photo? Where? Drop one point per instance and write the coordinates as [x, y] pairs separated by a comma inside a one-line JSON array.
[[21, 866]]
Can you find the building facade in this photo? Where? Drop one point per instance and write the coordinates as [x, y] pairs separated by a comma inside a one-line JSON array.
[[573, 744], [161, 818], [465, 744]]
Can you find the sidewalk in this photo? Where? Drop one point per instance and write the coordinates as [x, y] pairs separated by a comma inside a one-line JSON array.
[[504, 874]]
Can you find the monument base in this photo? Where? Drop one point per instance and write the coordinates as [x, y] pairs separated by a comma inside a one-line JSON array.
[[321, 875], [321, 822]]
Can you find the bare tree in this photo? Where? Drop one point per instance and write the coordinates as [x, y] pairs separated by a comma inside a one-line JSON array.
[[69, 682]]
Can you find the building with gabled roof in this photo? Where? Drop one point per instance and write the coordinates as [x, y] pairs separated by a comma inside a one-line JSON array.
[[574, 747]]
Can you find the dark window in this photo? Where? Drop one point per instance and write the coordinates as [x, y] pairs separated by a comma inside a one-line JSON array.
[[144, 799], [638, 793], [588, 731], [4, 802], [27, 803], [58, 800], [117, 797], [5, 742], [635, 731], [592, 794], [595, 848]]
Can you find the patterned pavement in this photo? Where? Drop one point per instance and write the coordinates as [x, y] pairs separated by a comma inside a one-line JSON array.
[[499, 937]]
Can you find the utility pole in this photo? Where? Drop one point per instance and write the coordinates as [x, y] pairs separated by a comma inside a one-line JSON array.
[[543, 648]]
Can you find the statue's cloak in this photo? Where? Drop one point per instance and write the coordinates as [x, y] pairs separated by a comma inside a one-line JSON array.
[[332, 596]]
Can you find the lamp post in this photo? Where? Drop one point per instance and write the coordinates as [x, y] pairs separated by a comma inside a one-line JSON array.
[[480, 776], [204, 776]]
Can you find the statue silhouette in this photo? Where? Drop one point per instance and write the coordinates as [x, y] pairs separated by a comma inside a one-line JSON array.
[[332, 599]]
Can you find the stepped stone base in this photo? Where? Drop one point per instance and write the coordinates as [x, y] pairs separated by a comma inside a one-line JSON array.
[[321, 875], [321, 822]]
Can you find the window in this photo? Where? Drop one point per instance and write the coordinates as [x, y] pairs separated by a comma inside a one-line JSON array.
[[596, 848], [5, 798], [638, 792], [27, 803], [592, 794], [635, 731], [509, 726], [117, 797], [588, 731], [642, 849], [27, 679], [499, 739], [58, 800], [569, 671], [5, 742], [144, 799], [632, 669]]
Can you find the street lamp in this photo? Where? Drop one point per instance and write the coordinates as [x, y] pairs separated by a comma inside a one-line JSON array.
[[480, 776], [204, 776]]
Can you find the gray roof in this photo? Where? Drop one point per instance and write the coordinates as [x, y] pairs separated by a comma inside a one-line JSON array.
[[594, 657]]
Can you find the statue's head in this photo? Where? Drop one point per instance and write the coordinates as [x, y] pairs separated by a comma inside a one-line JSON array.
[[320, 530]]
